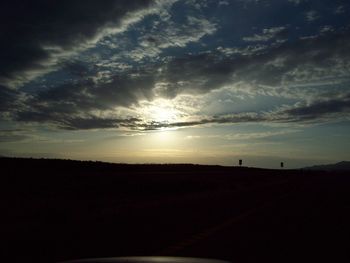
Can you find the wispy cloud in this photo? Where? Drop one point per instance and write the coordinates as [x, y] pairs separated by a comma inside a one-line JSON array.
[[48, 39], [297, 2], [165, 33], [274, 33], [339, 9], [312, 16]]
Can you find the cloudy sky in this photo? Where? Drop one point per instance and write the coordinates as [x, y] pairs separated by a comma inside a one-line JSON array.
[[176, 81]]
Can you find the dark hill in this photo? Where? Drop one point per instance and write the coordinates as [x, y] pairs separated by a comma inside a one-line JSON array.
[[341, 166]]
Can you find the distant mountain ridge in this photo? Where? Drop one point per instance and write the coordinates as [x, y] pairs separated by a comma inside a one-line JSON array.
[[341, 166]]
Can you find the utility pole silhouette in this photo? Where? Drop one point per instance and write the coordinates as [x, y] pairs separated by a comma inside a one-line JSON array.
[[240, 162]]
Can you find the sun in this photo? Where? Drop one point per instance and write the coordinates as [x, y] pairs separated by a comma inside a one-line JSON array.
[[163, 114], [161, 111]]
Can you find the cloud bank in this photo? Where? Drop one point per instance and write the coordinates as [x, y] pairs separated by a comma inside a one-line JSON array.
[[106, 93]]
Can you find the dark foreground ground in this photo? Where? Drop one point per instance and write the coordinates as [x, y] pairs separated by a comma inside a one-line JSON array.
[[55, 210]]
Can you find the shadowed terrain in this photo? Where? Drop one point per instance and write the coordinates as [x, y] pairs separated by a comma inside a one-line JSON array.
[[54, 210]]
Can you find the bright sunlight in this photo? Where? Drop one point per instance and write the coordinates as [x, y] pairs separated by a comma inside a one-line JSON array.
[[161, 111]]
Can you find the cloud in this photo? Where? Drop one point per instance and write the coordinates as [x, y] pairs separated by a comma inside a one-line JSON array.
[[197, 4], [230, 118], [279, 33], [312, 16], [246, 51], [270, 71], [72, 120], [297, 2], [165, 34], [322, 109], [35, 36], [339, 9], [326, 29], [93, 122], [308, 70], [223, 3], [69, 103]]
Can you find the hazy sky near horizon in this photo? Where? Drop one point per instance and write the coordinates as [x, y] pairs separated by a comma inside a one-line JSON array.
[[176, 81]]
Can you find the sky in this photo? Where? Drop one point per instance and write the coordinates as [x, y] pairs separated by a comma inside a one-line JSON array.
[[207, 82]]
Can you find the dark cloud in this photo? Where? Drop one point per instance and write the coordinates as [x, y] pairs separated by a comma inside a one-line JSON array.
[[64, 105], [93, 122], [125, 89], [93, 93], [231, 118], [317, 110], [68, 106], [69, 120], [33, 32]]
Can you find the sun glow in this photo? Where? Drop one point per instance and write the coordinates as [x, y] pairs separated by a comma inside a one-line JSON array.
[[163, 114], [161, 111]]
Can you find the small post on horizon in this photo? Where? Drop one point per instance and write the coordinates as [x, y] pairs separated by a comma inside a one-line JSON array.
[[240, 162], [282, 164]]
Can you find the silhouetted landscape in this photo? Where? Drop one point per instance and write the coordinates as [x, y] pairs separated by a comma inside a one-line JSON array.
[[55, 210], [341, 166], [225, 120]]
